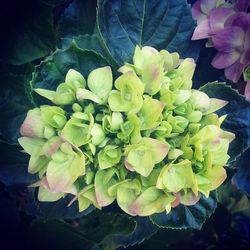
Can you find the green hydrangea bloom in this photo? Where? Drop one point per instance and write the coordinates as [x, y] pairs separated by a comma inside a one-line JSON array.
[[147, 140]]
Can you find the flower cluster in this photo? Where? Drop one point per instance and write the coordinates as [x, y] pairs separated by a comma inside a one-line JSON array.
[[148, 141], [227, 26]]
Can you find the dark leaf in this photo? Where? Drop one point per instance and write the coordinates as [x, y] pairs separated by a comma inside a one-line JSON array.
[[102, 227], [242, 178], [78, 19], [144, 230], [185, 217], [13, 166], [160, 24], [55, 234], [28, 30]]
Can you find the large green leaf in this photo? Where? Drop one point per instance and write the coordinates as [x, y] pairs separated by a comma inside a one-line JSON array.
[[185, 217], [28, 31], [55, 234], [238, 115], [15, 101], [52, 71], [162, 24], [88, 42]]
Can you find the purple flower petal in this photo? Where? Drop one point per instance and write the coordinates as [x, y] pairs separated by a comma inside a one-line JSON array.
[[234, 72], [247, 40], [242, 5], [240, 19], [245, 58], [224, 60], [218, 18], [247, 91], [197, 13], [207, 5], [201, 31], [228, 39]]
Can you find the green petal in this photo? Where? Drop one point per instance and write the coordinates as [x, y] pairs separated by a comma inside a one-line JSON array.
[[100, 82], [75, 79], [32, 146], [150, 113], [215, 104], [103, 180], [61, 175], [200, 100], [97, 134], [84, 94]]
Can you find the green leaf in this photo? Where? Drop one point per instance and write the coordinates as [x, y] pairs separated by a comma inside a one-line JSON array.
[[51, 72], [238, 115], [100, 227], [29, 32], [78, 19], [55, 234], [144, 230], [14, 166], [15, 101], [160, 24], [185, 217]]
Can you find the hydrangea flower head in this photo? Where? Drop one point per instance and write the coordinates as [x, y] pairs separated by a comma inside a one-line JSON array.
[[146, 140], [233, 45]]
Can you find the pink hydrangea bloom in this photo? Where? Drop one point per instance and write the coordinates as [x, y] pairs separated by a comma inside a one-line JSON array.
[[233, 45], [211, 15]]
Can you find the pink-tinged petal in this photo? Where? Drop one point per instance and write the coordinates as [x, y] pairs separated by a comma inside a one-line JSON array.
[[218, 18], [224, 60], [234, 72], [242, 5], [239, 19], [201, 31], [197, 13], [228, 39], [32, 125], [247, 91], [207, 5], [247, 40], [128, 166], [245, 58], [177, 200]]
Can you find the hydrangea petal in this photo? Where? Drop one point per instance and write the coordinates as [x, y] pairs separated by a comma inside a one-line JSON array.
[[223, 60], [100, 82], [202, 30], [228, 39], [218, 18], [234, 72]]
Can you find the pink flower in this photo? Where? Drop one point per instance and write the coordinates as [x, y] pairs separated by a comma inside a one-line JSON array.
[[211, 15], [233, 45]]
